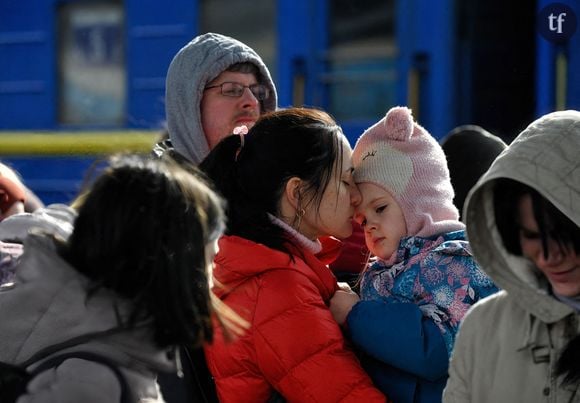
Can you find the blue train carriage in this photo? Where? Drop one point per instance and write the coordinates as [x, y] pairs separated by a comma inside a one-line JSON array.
[[453, 62], [102, 63], [82, 74], [79, 80], [57, 165]]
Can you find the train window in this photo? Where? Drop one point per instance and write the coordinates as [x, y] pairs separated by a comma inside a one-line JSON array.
[[223, 16], [361, 73], [91, 64]]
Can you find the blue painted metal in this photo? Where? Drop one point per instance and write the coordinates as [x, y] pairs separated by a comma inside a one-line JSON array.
[[27, 65], [545, 76], [28, 51], [426, 37], [425, 32], [28, 79], [546, 54], [292, 45], [302, 40], [573, 82], [53, 179], [155, 32]]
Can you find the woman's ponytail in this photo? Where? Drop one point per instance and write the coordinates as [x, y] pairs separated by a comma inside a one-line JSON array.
[[220, 166]]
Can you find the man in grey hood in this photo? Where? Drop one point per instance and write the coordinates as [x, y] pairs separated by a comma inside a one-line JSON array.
[[214, 84], [523, 223]]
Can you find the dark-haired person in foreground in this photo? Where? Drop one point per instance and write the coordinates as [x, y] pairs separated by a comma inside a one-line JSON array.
[[129, 285]]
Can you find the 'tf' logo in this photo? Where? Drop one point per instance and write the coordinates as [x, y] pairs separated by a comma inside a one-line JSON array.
[[560, 20], [556, 22]]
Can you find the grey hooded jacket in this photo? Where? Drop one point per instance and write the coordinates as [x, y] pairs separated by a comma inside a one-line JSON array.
[[192, 68], [508, 344], [49, 305]]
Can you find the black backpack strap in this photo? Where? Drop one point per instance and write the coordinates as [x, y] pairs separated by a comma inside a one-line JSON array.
[[55, 361], [75, 341]]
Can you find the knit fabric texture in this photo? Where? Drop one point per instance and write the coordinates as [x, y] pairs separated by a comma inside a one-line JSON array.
[[404, 159]]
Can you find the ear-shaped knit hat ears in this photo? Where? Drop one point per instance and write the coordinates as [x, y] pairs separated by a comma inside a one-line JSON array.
[[404, 159], [398, 124]]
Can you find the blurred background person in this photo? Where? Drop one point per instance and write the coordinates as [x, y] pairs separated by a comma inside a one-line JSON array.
[[470, 150]]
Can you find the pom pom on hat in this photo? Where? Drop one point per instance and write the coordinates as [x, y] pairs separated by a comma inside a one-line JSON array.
[[404, 159]]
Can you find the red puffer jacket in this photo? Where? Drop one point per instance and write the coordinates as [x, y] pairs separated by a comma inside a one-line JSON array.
[[293, 344]]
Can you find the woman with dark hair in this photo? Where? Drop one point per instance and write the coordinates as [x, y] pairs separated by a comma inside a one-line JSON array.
[[288, 184], [129, 285], [523, 223]]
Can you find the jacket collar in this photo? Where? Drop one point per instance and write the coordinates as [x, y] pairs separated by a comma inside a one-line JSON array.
[[240, 260]]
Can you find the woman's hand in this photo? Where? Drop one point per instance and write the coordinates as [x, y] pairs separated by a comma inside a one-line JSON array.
[[342, 302]]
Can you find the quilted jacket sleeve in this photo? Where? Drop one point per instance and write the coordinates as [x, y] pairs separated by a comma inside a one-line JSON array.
[[399, 335], [300, 348]]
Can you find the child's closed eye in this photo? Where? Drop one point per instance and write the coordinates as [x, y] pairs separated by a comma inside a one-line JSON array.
[[380, 209]]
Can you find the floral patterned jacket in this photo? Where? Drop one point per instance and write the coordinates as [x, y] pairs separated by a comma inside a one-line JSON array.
[[410, 311]]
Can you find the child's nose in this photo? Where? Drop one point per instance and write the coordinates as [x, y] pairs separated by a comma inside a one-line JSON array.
[[359, 218]]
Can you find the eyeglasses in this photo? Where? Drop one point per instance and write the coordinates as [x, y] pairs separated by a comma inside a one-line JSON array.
[[236, 90]]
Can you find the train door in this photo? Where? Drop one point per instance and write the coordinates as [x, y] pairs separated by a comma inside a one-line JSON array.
[[86, 68], [339, 55], [496, 82]]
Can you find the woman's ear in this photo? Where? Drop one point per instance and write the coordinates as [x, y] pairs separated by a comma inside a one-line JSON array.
[[292, 191]]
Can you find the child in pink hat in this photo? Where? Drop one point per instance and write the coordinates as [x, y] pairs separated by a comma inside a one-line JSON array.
[[422, 278]]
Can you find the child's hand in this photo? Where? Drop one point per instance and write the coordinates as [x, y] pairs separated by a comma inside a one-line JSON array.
[[344, 286], [341, 303]]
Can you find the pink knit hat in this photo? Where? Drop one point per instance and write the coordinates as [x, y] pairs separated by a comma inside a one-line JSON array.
[[404, 159]]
